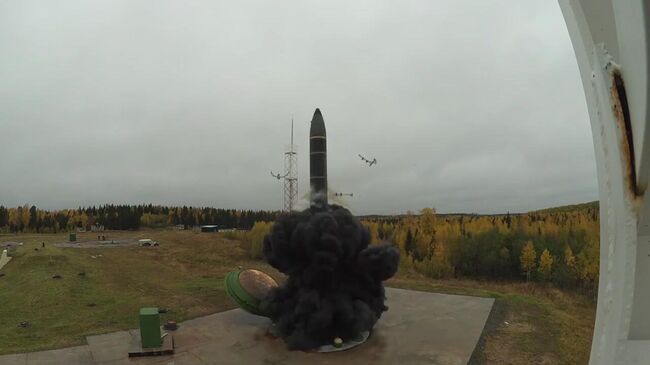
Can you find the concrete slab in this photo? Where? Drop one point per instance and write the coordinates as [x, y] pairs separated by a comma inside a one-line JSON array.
[[136, 349], [67, 356], [14, 359], [419, 328], [185, 358], [110, 347]]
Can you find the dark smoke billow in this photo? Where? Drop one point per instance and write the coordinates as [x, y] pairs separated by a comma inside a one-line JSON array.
[[334, 286]]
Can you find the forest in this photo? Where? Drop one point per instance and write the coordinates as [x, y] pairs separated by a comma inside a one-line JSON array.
[[558, 245], [124, 217]]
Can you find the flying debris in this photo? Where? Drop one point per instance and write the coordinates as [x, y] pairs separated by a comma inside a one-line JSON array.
[[278, 176], [369, 162], [344, 194]]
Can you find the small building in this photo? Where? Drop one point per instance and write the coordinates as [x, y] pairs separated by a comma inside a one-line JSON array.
[[210, 228], [179, 227]]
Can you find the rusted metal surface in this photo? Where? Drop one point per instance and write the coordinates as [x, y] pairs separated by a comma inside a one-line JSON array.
[[622, 116], [256, 283]]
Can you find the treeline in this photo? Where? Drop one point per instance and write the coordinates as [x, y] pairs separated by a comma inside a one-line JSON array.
[[124, 217], [560, 246]]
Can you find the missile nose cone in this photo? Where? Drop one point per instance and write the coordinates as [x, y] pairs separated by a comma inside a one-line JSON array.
[[318, 162], [317, 127]]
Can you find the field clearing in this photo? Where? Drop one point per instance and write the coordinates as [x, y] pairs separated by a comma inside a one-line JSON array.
[[185, 274]]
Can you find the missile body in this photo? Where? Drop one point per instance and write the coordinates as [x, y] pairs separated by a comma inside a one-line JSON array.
[[318, 162]]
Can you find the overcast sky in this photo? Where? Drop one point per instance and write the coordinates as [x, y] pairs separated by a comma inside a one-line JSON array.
[[468, 106]]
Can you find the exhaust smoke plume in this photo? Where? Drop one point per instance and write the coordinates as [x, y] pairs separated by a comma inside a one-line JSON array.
[[334, 286]]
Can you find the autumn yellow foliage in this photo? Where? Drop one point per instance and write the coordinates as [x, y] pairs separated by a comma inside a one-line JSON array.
[[499, 246], [528, 259], [545, 264]]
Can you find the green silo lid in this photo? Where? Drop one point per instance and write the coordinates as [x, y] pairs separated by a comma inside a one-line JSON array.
[[248, 287]]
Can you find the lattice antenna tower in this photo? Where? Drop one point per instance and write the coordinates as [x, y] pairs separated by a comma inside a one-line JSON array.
[[290, 179]]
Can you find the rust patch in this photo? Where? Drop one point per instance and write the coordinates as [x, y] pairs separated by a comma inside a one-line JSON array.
[[256, 283], [622, 116]]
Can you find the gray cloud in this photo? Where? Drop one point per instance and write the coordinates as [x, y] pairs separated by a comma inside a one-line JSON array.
[[468, 106]]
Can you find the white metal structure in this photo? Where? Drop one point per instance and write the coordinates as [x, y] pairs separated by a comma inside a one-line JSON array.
[[290, 178], [610, 39]]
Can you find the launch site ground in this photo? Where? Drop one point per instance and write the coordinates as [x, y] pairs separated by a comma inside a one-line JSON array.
[[408, 334], [77, 315]]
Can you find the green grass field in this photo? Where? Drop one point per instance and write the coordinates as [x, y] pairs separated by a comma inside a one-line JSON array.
[[185, 274]]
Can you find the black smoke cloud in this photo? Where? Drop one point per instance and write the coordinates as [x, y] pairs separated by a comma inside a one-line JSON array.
[[334, 286]]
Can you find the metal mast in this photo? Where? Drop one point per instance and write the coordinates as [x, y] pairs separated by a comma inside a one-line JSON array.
[[290, 179]]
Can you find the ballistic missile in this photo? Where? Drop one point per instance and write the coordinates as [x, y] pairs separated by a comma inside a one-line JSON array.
[[318, 162]]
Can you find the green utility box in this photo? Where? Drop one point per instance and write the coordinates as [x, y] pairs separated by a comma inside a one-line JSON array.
[[73, 236], [150, 327]]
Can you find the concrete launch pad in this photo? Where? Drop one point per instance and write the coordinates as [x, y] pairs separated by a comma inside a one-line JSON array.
[[419, 328]]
